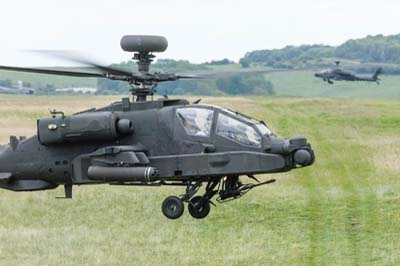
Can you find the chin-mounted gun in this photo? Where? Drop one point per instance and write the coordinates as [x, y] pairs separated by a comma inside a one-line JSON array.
[[233, 188]]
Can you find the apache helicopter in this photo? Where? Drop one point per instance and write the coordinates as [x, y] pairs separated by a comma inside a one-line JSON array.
[[163, 142], [339, 74]]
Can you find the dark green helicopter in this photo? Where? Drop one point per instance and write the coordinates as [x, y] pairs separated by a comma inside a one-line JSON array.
[[152, 143], [338, 74]]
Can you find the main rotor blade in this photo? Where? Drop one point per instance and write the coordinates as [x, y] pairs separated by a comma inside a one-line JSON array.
[[53, 72], [75, 57], [225, 74]]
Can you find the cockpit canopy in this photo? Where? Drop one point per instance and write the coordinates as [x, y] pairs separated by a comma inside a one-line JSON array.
[[325, 71], [198, 122], [236, 130]]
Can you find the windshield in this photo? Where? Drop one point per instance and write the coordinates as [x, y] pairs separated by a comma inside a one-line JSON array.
[[261, 126], [196, 121], [263, 129], [238, 131]]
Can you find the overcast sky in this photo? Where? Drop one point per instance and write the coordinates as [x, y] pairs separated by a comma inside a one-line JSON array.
[[196, 30]]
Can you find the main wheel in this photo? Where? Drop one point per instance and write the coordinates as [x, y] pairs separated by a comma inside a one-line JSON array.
[[199, 208], [172, 207]]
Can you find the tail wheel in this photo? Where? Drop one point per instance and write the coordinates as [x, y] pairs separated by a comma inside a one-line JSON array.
[[199, 208], [172, 207]]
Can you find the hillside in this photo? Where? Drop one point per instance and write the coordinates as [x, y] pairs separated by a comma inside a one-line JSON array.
[[343, 210], [375, 49]]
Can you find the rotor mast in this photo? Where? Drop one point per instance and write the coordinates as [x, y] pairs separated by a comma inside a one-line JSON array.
[[143, 46], [143, 89], [143, 61]]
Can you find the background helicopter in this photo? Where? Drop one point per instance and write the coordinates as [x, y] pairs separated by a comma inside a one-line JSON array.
[[339, 74], [153, 143]]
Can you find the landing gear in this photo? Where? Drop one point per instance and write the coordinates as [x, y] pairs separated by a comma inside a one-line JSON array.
[[172, 207], [229, 188], [198, 207]]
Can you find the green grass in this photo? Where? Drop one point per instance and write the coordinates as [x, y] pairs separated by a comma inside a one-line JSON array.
[[343, 210]]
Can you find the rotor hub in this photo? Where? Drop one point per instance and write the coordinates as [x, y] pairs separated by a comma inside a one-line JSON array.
[[143, 61]]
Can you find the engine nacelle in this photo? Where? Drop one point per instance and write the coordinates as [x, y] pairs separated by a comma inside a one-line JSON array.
[[82, 127]]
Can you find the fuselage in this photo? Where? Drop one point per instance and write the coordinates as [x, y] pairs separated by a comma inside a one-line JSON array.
[[338, 74], [181, 141]]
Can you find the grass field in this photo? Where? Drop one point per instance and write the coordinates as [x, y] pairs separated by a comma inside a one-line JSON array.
[[343, 210]]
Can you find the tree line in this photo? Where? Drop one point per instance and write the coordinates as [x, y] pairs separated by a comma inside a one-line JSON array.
[[376, 49]]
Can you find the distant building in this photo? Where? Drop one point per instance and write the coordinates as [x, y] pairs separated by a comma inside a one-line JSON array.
[[78, 90], [12, 90], [7, 87]]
